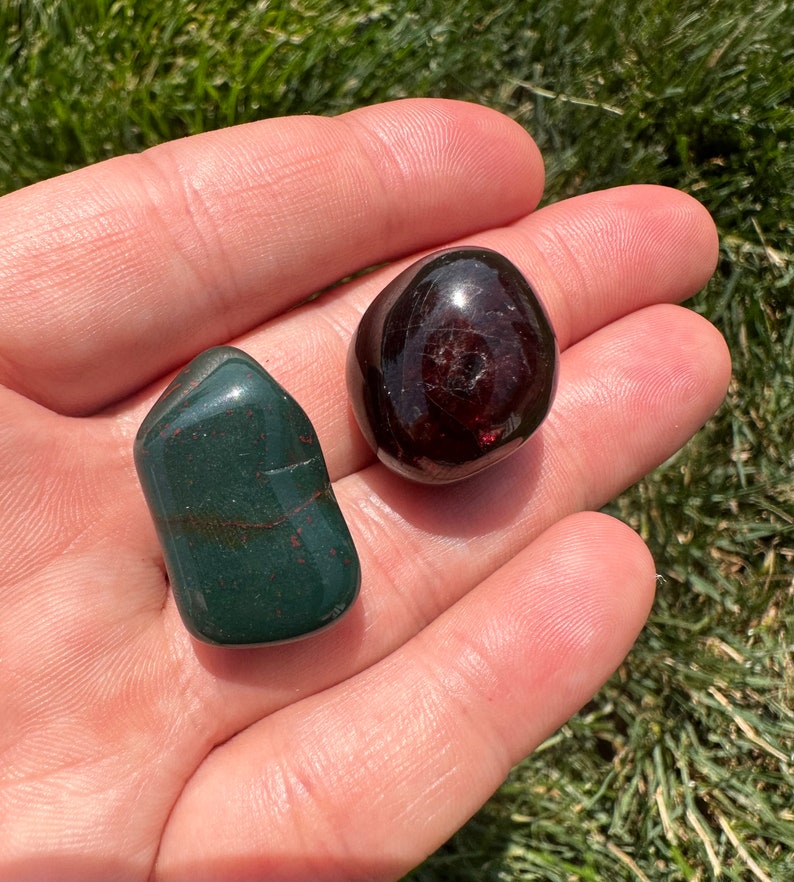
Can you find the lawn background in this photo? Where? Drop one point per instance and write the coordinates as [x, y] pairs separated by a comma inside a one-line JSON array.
[[682, 767]]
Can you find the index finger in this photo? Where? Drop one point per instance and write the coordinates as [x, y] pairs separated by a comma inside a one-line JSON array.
[[115, 274]]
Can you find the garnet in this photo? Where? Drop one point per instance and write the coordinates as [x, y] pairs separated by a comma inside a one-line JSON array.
[[255, 545], [454, 365]]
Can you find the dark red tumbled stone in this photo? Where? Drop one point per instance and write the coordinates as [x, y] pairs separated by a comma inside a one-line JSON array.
[[453, 366]]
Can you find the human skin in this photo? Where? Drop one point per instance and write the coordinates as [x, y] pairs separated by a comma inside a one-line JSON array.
[[490, 610]]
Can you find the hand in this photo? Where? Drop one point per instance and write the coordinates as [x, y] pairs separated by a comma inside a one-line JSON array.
[[490, 610]]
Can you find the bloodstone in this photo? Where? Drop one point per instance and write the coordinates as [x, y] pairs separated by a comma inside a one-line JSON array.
[[255, 546], [453, 367]]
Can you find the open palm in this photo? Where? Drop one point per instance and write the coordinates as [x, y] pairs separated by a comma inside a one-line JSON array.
[[490, 610]]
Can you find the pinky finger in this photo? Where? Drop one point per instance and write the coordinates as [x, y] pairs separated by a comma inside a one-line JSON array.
[[366, 779]]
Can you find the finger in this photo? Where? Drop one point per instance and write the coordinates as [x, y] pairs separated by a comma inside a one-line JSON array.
[[365, 780], [592, 259], [602, 255], [630, 395], [117, 273]]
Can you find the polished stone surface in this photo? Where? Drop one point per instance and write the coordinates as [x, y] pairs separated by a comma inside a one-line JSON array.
[[454, 365], [255, 545]]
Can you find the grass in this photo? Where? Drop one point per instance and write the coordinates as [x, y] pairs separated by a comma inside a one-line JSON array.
[[682, 767]]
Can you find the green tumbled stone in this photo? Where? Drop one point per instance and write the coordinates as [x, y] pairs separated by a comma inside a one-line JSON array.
[[255, 545]]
